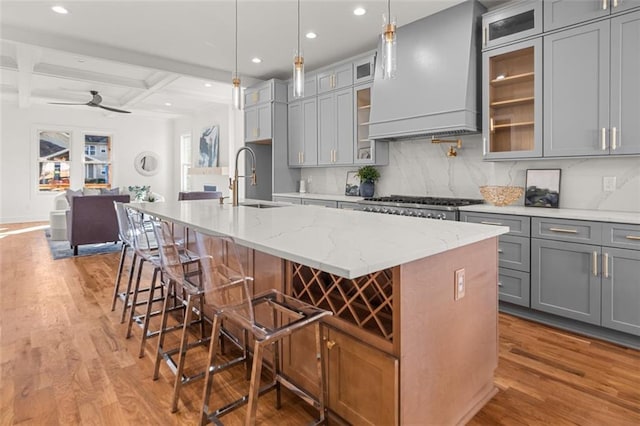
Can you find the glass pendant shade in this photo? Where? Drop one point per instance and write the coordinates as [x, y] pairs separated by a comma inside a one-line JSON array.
[[298, 76], [388, 48], [236, 93]]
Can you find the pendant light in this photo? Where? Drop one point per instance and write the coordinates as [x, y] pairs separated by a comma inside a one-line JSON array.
[[298, 66], [388, 44], [236, 95]]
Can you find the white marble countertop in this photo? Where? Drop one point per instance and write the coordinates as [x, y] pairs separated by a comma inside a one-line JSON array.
[[343, 242], [592, 215], [312, 196]]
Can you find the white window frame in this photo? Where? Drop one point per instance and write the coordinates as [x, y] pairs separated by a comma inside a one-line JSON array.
[[186, 157]]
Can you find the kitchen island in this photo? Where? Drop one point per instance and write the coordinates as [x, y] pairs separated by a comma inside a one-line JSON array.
[[403, 347]]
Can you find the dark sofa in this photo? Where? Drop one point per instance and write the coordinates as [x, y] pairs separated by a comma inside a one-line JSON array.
[[92, 219]]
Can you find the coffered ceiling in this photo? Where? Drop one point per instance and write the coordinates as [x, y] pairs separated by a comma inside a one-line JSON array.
[[143, 55]]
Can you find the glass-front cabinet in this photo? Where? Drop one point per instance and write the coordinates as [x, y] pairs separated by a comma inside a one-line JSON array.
[[363, 146], [513, 22], [512, 96]]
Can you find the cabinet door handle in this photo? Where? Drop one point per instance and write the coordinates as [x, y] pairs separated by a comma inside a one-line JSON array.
[[255, 132], [484, 146], [491, 125], [615, 3], [614, 142], [633, 237], [567, 231], [605, 5], [330, 344], [605, 268], [603, 138], [485, 31], [595, 263], [500, 251], [499, 284], [491, 223], [302, 156]]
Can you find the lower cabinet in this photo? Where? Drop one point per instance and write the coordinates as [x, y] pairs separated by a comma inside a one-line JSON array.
[[513, 286], [621, 290], [565, 279], [282, 199], [361, 381], [321, 203]]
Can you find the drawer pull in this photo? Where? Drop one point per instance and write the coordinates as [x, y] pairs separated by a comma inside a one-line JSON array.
[[330, 344], [633, 237], [567, 231], [500, 284], [614, 138], [605, 6], [595, 263], [491, 223], [605, 267], [500, 251]]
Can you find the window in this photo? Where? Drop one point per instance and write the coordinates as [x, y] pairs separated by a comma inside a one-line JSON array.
[[97, 161], [185, 161], [54, 160]]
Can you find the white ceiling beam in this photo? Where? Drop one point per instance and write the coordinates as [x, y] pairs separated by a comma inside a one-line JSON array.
[[88, 76], [157, 82], [97, 50], [26, 58]]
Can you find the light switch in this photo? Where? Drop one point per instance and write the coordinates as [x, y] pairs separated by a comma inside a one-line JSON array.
[[459, 285]]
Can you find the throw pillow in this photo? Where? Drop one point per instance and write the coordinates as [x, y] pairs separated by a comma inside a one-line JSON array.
[[71, 193], [112, 191], [90, 191]]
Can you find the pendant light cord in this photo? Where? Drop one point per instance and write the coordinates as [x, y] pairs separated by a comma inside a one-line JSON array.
[[299, 28], [389, 11], [236, 39]]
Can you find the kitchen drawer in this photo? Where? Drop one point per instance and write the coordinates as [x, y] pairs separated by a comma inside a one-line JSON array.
[[621, 235], [291, 200], [514, 253], [566, 230], [348, 205], [321, 203], [518, 225], [514, 287]]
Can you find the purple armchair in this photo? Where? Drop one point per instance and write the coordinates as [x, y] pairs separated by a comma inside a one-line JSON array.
[[92, 219]]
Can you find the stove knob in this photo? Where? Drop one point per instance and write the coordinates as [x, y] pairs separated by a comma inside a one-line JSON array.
[[428, 216], [384, 210], [440, 216], [365, 209], [419, 214], [376, 209], [409, 213]]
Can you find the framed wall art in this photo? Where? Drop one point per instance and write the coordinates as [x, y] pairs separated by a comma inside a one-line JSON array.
[[542, 188], [208, 150], [352, 187]]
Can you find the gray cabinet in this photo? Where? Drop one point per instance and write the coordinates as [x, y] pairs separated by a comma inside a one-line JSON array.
[[320, 203], [257, 122], [561, 13], [335, 78], [283, 199], [625, 84], [512, 101], [363, 69], [512, 22], [348, 205], [335, 127], [621, 290], [513, 255], [310, 87], [591, 89], [565, 279], [303, 133], [366, 150]]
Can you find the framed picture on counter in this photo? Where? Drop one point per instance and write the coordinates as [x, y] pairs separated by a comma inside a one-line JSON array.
[[543, 188], [352, 186]]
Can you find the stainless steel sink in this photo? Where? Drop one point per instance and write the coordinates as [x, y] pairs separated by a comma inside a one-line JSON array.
[[262, 206]]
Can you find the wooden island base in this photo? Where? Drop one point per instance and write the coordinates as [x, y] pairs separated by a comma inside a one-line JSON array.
[[399, 349]]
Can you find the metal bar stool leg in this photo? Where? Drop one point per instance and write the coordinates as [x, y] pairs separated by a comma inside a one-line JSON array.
[[147, 315], [184, 341], [134, 299], [208, 380], [116, 289], [163, 325], [321, 376], [254, 388], [126, 295]]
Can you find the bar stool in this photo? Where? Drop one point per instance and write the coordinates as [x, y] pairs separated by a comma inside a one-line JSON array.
[[268, 317]]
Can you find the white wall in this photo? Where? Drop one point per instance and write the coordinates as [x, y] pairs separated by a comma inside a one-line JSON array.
[[422, 168], [19, 199], [230, 123]]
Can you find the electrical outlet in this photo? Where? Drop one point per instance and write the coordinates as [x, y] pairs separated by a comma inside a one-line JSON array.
[[609, 183], [459, 285]]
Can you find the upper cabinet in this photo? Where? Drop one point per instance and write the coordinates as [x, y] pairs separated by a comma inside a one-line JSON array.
[[303, 133], [561, 13], [258, 109], [310, 87], [592, 93], [363, 69], [335, 127], [335, 78], [513, 101], [512, 22], [366, 151]]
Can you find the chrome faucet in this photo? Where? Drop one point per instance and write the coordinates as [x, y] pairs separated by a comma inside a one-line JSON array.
[[233, 183]]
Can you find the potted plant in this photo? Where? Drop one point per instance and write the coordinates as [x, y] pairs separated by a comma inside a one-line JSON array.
[[368, 176]]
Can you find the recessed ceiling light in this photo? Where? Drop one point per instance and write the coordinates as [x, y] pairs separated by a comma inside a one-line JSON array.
[[167, 104], [59, 9], [207, 85], [256, 60], [311, 34], [359, 11], [81, 60]]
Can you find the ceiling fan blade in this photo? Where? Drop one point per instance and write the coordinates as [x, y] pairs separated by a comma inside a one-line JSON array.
[[113, 109], [66, 103]]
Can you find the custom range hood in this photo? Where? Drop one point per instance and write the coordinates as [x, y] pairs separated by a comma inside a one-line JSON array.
[[436, 91]]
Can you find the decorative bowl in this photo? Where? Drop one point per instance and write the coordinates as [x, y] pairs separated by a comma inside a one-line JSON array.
[[501, 195]]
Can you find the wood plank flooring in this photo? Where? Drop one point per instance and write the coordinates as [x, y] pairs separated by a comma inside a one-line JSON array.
[[64, 359]]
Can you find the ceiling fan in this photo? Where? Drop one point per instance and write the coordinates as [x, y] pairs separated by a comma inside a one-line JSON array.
[[94, 102]]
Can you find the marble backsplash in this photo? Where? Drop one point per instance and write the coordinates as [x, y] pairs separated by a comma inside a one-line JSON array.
[[418, 167]]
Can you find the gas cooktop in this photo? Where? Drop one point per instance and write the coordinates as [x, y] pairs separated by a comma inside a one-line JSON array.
[[423, 201]]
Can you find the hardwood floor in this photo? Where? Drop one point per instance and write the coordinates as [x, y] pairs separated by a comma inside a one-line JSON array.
[[64, 359]]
